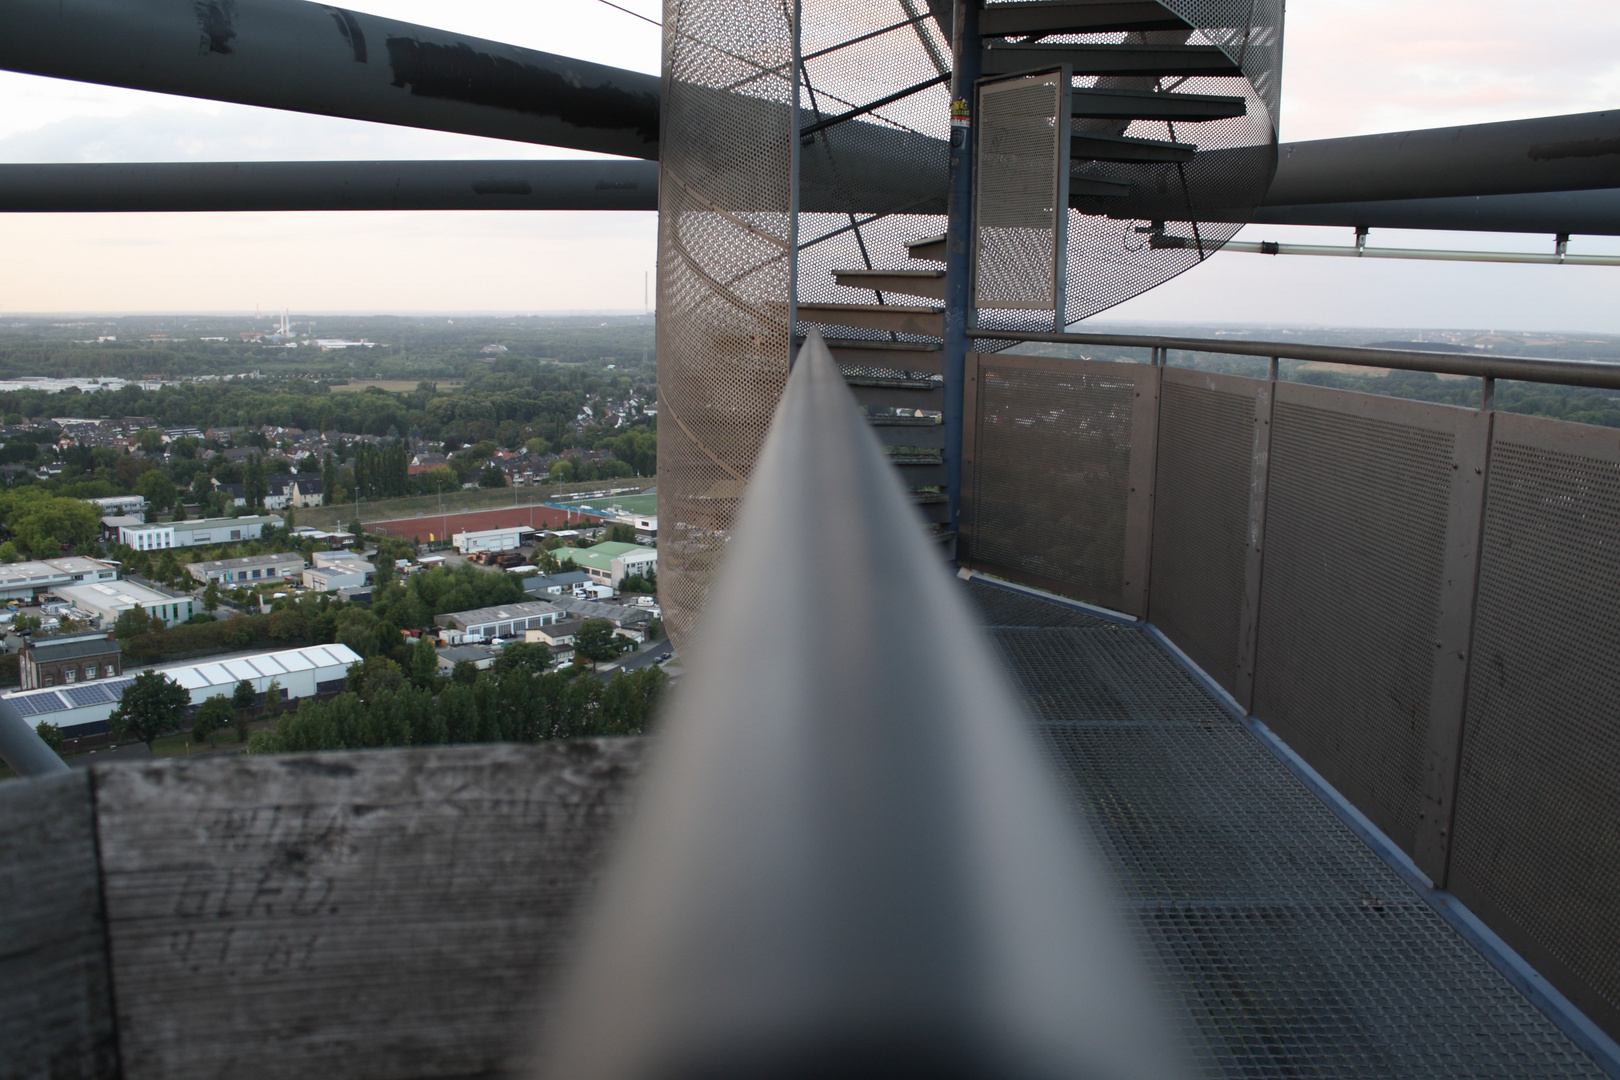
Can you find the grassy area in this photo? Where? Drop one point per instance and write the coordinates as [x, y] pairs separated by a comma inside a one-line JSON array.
[[180, 744], [325, 517]]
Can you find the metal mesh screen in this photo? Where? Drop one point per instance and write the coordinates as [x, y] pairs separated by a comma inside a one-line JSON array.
[[1020, 193], [1051, 483], [1200, 519], [1537, 825], [724, 273], [1355, 536]]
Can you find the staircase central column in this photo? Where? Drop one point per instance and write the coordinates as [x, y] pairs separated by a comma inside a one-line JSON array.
[[965, 62]]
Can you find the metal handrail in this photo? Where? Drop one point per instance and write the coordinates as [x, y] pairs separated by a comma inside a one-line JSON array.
[[22, 748], [847, 858], [1599, 375]]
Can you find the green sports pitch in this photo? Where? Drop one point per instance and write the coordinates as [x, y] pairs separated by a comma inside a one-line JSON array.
[[645, 504]]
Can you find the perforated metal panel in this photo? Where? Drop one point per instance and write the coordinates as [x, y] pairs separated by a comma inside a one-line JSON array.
[[1021, 193], [1283, 946], [1048, 496], [725, 243], [1356, 521], [1200, 516], [1537, 822]]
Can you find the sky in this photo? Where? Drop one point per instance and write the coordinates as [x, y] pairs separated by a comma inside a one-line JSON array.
[[1351, 67]]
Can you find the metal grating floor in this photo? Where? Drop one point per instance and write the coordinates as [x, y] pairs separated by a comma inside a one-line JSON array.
[[1286, 947]]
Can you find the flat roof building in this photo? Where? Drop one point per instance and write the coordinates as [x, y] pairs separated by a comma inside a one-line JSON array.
[[506, 621], [111, 600], [170, 534], [330, 575], [250, 570], [26, 580], [609, 563]]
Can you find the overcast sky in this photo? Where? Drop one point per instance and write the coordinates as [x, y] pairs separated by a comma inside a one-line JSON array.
[[1351, 67]]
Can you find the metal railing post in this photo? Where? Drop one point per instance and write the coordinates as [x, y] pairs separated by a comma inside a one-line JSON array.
[[966, 62]]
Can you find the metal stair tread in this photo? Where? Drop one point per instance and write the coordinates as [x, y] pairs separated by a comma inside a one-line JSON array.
[[1075, 17], [1004, 58], [851, 309], [1093, 146], [923, 250], [1090, 103], [1092, 187], [893, 383], [903, 421], [922, 274]]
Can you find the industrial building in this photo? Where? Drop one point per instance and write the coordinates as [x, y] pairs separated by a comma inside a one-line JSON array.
[[250, 570], [110, 601], [121, 506], [505, 621], [609, 563], [171, 534], [83, 709], [26, 580], [490, 539], [330, 575]]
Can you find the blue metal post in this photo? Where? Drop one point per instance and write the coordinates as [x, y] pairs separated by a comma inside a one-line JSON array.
[[965, 64]]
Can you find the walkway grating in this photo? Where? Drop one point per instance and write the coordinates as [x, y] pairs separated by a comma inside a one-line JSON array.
[[1286, 947]]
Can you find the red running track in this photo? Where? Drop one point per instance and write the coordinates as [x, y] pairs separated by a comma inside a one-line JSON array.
[[537, 517]]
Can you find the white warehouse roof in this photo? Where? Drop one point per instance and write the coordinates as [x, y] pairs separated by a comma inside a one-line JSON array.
[[322, 659]]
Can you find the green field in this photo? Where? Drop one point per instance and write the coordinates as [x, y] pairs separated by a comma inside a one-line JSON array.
[[645, 504]]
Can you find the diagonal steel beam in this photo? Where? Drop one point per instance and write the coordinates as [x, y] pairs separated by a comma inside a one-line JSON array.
[[329, 185], [288, 54]]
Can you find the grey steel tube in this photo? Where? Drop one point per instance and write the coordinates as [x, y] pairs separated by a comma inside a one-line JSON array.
[[288, 54], [1551, 153], [1519, 368], [1590, 213], [22, 748], [847, 858], [330, 185]]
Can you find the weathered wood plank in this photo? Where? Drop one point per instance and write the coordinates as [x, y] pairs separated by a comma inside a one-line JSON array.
[[360, 916], [55, 1006]]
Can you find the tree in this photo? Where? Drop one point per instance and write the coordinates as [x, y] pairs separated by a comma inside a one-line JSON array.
[[522, 656], [620, 533], [212, 717], [596, 641], [546, 561], [50, 734], [272, 697], [134, 621], [210, 597], [244, 695], [424, 664], [254, 484], [465, 673], [152, 705], [157, 489]]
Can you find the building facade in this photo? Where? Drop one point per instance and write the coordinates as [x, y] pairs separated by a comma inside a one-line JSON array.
[[250, 570], [506, 621], [609, 563], [64, 661], [490, 540], [108, 601], [26, 580]]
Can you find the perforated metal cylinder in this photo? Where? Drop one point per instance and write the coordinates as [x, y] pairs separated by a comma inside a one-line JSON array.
[[724, 272]]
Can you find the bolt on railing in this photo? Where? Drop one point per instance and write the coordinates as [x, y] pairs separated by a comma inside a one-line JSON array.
[[848, 858]]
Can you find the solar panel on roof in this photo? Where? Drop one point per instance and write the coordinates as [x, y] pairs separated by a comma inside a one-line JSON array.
[[34, 704], [81, 696], [116, 687]]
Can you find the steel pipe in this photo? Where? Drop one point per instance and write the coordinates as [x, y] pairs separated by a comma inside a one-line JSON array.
[[22, 748], [1588, 213], [847, 858], [1599, 375], [288, 54], [1271, 247], [330, 185]]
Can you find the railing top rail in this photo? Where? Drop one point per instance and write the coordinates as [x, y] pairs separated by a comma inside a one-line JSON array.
[[846, 858], [1602, 376]]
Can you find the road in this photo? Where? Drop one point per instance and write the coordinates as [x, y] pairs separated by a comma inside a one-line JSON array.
[[647, 654]]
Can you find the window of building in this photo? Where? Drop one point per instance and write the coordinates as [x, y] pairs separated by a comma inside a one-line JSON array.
[[71, 674], [255, 573], [236, 534], [109, 672], [50, 680], [270, 572], [89, 671]]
